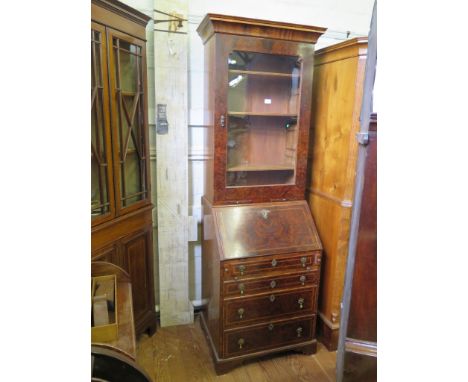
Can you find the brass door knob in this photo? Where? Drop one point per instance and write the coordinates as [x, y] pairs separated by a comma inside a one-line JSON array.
[[273, 284], [301, 303], [240, 312], [241, 269], [241, 288], [299, 331], [302, 279], [241, 342]]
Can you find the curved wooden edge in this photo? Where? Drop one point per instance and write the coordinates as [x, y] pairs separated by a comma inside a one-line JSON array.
[[109, 352], [103, 268], [352, 42], [110, 347]]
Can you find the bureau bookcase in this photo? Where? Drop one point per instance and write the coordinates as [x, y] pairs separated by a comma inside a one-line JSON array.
[[261, 251]]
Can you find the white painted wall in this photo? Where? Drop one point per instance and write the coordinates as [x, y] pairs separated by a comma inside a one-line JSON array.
[[343, 18]]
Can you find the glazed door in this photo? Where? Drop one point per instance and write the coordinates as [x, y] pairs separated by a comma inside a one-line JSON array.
[[263, 87], [128, 106], [102, 193]]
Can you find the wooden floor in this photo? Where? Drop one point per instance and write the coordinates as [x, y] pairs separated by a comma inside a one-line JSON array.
[[181, 354]]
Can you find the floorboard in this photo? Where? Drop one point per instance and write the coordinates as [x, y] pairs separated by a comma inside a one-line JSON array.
[[181, 354]]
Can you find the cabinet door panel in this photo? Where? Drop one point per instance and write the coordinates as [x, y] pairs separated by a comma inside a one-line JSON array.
[[263, 93], [128, 106], [102, 195], [135, 250], [261, 119]]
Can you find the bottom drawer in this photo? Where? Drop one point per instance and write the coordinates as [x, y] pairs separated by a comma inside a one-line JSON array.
[[267, 336]]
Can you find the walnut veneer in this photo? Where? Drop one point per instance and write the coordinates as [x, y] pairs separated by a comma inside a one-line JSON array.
[[261, 251], [261, 281]]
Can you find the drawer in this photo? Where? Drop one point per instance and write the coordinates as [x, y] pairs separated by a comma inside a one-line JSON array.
[[244, 311], [269, 335], [239, 269], [269, 284]]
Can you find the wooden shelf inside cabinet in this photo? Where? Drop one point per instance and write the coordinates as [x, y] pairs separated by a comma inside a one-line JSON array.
[[259, 167], [261, 73]]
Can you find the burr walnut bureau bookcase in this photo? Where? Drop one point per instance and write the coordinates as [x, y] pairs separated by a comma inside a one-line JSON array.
[[121, 222], [261, 251]]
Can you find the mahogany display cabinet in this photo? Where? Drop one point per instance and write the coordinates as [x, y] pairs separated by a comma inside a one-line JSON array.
[[261, 251], [121, 221]]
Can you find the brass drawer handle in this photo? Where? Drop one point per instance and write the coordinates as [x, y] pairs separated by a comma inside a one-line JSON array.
[[273, 284], [303, 261], [301, 303], [241, 342], [272, 298], [270, 327], [274, 263], [241, 288], [302, 279], [240, 312], [299, 331], [318, 259], [241, 269]]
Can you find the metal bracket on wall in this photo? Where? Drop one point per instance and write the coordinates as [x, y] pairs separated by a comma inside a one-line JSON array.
[[175, 21], [362, 138]]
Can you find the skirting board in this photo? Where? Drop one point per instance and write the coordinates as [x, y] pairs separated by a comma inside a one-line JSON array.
[[327, 333]]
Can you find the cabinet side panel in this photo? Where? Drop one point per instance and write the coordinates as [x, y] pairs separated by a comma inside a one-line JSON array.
[[208, 116], [211, 289], [333, 107], [362, 322], [332, 222]]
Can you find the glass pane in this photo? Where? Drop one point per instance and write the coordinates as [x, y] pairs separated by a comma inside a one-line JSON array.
[[99, 166], [131, 142], [263, 107], [130, 58]]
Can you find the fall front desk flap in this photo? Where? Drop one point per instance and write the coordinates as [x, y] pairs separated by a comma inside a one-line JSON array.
[[265, 228]]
